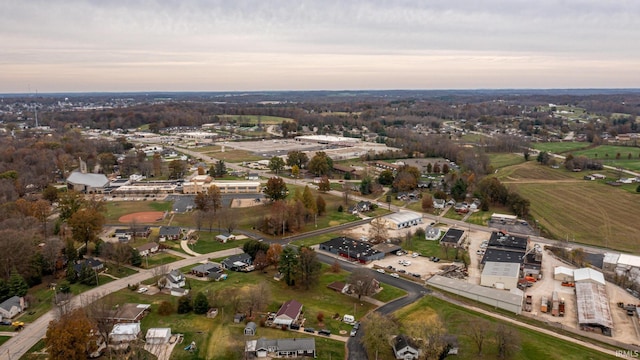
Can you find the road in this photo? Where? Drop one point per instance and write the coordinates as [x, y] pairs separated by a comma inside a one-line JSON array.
[[19, 344]]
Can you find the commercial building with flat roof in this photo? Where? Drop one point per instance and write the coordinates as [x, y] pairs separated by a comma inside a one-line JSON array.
[[500, 275], [354, 250]]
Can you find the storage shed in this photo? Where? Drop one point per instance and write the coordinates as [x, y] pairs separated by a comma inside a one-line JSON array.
[[563, 274], [250, 329]]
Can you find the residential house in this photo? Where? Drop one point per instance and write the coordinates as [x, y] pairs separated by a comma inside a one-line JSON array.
[[288, 313], [204, 270], [170, 233], [439, 203], [158, 336], [12, 307], [174, 279], [250, 329], [148, 249], [282, 348], [239, 262], [338, 286], [122, 235], [360, 207], [92, 263], [404, 348], [126, 313], [124, 332]]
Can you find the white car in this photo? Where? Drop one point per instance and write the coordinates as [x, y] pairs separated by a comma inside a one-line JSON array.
[[415, 255], [142, 290], [395, 275], [381, 271], [406, 263]]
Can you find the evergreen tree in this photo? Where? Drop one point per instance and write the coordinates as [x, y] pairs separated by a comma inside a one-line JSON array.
[[184, 304], [17, 285], [4, 290], [136, 259], [87, 276], [71, 275], [200, 304]]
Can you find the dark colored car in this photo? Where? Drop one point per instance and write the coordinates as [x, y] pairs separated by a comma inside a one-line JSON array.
[[294, 327], [402, 271], [324, 332], [415, 275], [309, 330]]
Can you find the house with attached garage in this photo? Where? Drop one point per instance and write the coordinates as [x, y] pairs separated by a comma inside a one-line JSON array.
[[239, 262], [148, 249], [288, 314], [204, 270], [170, 233]]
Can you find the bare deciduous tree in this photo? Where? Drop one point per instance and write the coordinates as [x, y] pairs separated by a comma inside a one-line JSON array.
[[362, 282]]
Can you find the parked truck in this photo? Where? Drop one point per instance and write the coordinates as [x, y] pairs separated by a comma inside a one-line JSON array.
[[555, 304], [561, 308], [528, 304], [544, 304]]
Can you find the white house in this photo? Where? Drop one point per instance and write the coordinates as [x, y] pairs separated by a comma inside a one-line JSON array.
[[439, 203], [124, 332], [12, 307], [158, 336], [174, 279], [405, 349], [148, 249]]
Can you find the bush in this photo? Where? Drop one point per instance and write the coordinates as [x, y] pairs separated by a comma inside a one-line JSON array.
[[320, 317], [165, 308]]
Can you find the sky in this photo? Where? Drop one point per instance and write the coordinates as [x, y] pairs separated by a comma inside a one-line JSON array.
[[236, 45]]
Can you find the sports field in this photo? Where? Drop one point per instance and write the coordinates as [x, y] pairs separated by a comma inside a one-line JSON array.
[[568, 207]]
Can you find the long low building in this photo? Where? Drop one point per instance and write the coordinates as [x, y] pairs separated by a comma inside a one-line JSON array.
[[506, 300], [593, 308], [403, 219], [226, 187], [354, 250]]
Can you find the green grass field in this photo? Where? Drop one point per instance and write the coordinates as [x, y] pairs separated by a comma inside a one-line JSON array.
[[568, 207], [533, 345], [560, 147], [116, 209], [629, 156], [254, 119], [501, 160]]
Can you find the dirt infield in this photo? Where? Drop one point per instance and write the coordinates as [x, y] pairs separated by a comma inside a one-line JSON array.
[[142, 217]]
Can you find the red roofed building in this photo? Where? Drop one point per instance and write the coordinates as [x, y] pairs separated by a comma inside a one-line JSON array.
[[289, 313]]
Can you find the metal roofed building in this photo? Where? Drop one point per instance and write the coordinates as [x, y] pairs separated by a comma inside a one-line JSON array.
[[593, 307], [507, 300], [294, 347], [403, 219], [562, 273], [87, 182], [354, 250], [500, 275], [588, 275]]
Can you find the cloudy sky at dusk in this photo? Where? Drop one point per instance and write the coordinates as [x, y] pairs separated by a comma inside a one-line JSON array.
[[206, 45]]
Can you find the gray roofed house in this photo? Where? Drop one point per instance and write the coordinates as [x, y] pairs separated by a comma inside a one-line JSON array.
[[175, 279], [236, 262], [87, 182], [404, 348], [170, 233], [12, 307], [432, 233], [148, 249], [294, 347], [205, 269]]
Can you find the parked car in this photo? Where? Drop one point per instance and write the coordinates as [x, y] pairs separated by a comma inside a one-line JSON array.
[[415, 255], [435, 259], [390, 267], [142, 290], [324, 332], [416, 275], [406, 263], [484, 244], [356, 325], [294, 327], [353, 332], [381, 271], [310, 330], [480, 252], [395, 275], [402, 271]]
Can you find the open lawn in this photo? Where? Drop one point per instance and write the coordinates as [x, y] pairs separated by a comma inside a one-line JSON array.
[[429, 248], [627, 157], [207, 243], [501, 160], [560, 147], [234, 156], [570, 208], [533, 345], [255, 119], [220, 338]]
